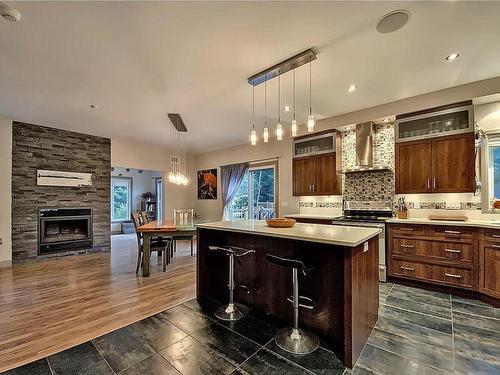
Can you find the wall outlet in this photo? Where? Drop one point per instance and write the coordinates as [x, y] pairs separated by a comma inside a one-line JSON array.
[[453, 205]]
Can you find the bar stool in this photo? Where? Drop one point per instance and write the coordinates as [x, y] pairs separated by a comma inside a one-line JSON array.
[[293, 339], [233, 311]]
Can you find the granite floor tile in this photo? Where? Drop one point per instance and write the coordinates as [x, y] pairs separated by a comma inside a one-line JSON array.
[[383, 362], [420, 307], [421, 298], [475, 342], [232, 346], [320, 361], [486, 311], [476, 321], [359, 370], [428, 321], [154, 364], [265, 362], [157, 331], [123, 349], [187, 319], [470, 301], [40, 367], [254, 329], [421, 292], [416, 332], [385, 288], [83, 359], [194, 305], [189, 356], [408, 347], [466, 365]]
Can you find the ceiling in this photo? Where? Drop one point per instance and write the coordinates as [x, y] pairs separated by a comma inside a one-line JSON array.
[[139, 61]]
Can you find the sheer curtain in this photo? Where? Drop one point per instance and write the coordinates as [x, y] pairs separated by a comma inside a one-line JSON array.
[[231, 177]]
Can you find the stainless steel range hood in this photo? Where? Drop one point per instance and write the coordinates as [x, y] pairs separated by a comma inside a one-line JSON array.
[[364, 150]]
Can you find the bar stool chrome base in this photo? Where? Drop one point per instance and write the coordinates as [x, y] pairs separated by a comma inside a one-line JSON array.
[[296, 341], [232, 312]]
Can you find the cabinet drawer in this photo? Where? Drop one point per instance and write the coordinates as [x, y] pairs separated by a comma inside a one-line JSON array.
[[462, 234], [447, 251], [409, 230], [491, 235], [440, 274]]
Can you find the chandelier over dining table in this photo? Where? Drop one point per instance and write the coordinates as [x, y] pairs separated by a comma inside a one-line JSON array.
[[277, 71]]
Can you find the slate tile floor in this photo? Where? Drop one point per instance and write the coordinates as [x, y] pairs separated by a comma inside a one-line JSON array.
[[418, 332]]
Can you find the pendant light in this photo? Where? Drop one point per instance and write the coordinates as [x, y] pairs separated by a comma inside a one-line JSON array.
[[266, 129], [253, 134], [310, 118], [294, 121], [279, 127]]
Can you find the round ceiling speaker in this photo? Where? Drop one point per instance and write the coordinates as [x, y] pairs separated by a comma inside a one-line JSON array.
[[393, 21]]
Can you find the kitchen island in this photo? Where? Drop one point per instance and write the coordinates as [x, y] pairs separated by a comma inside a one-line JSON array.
[[343, 283]]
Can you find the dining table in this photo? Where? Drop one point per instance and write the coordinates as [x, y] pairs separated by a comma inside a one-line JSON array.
[[157, 228]]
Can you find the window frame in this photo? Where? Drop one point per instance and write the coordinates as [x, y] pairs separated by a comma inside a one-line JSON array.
[[129, 181], [487, 177]]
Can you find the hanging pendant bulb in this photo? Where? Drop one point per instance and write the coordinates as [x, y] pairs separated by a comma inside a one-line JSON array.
[[266, 129], [279, 127], [266, 135], [310, 118], [294, 121], [253, 134]]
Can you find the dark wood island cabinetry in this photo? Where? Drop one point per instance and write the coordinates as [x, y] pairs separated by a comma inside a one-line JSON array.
[[343, 283]]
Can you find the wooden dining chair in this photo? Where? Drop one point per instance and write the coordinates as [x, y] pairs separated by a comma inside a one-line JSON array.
[[183, 220], [162, 247]]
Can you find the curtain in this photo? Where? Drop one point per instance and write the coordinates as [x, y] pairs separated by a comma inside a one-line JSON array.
[[231, 177]]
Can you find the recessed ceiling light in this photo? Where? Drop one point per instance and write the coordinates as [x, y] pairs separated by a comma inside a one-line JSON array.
[[94, 106], [286, 108], [452, 57], [393, 21], [352, 88], [10, 14]]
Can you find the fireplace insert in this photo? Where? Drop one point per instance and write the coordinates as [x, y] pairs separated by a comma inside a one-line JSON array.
[[64, 229]]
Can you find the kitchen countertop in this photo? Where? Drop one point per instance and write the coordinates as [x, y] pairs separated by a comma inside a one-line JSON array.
[[329, 234], [313, 216], [495, 224]]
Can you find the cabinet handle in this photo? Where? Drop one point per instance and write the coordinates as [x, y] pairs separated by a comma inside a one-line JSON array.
[[495, 236], [407, 246], [310, 188], [495, 246], [434, 182], [428, 182], [452, 275], [452, 251], [314, 188], [407, 229], [407, 268], [452, 232]]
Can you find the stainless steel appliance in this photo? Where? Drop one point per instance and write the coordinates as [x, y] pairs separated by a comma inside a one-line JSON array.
[[368, 214]]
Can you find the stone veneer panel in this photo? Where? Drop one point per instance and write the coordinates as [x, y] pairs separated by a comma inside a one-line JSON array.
[[37, 147]]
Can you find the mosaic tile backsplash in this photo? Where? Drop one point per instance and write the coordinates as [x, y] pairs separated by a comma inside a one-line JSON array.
[[370, 186]]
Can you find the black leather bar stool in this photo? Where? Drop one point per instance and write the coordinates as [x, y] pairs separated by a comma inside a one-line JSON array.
[[293, 339], [233, 311]]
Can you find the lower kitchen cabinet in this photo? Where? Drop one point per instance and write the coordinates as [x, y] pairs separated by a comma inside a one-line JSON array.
[[489, 262], [443, 255]]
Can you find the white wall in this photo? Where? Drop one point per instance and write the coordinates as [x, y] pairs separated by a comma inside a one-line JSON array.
[[152, 157], [5, 191], [488, 115], [212, 209]]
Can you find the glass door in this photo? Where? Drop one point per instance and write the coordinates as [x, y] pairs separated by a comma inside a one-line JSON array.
[[159, 198], [256, 196], [121, 198]]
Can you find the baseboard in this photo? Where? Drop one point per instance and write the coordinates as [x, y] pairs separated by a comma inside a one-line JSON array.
[[6, 263]]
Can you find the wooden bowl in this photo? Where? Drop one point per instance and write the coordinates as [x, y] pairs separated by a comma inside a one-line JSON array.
[[281, 222]]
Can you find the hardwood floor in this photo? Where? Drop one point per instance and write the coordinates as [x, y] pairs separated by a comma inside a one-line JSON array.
[[50, 306]]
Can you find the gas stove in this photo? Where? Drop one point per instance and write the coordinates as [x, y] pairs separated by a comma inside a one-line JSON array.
[[368, 214]]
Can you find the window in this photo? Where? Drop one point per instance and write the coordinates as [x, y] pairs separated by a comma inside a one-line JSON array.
[[490, 170], [121, 198], [256, 196], [495, 170]]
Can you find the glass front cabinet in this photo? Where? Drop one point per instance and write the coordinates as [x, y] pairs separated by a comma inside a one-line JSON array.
[[315, 145], [436, 124]]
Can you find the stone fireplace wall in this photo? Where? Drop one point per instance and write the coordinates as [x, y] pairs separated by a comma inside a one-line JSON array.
[[37, 147]]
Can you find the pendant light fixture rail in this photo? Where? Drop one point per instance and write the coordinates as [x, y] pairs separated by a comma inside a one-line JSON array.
[[283, 67]]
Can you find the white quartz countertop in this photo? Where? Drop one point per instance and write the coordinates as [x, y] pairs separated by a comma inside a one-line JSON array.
[[470, 223], [313, 216], [329, 234]]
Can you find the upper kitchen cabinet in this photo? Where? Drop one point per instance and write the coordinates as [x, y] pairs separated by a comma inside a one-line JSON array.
[[427, 160], [315, 164]]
